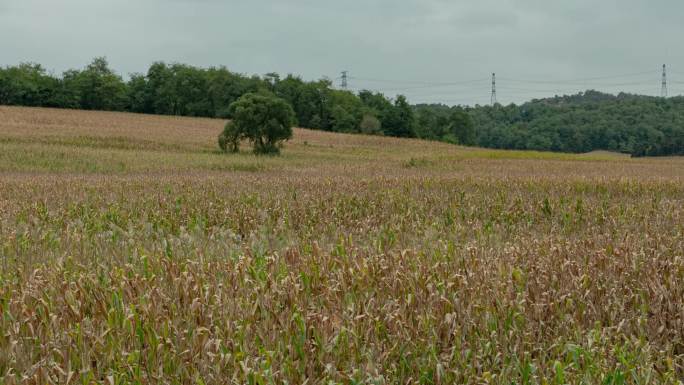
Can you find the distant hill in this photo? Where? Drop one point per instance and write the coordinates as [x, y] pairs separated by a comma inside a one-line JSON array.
[[588, 121]]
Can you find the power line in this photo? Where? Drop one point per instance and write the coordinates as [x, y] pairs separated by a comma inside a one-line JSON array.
[[493, 101], [427, 83], [481, 101], [566, 81], [572, 81], [663, 92], [580, 84], [549, 90], [474, 87], [427, 91], [427, 86], [636, 82], [534, 90]]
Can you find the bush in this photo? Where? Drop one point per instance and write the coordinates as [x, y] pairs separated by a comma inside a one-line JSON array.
[[370, 125], [264, 120]]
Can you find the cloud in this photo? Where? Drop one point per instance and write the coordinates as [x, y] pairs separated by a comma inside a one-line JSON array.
[[419, 40]]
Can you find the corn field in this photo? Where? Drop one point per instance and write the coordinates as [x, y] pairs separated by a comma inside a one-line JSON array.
[[132, 252]]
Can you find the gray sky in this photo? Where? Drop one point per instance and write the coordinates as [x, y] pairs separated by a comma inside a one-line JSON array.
[[415, 47]]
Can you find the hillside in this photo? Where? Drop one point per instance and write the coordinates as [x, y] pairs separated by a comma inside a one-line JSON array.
[[73, 141]]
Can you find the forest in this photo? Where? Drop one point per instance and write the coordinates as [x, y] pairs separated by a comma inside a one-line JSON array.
[[588, 121], [634, 124]]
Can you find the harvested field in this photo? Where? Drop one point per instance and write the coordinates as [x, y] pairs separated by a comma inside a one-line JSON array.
[[131, 251]]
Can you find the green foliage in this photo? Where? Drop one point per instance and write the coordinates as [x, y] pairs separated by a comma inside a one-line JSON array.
[[401, 121], [28, 84], [137, 94], [447, 124], [370, 125], [346, 111], [462, 128], [229, 140], [97, 87], [343, 121], [588, 121], [263, 119]]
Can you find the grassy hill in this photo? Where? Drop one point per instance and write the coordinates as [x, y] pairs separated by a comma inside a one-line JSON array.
[[72, 141], [132, 252]]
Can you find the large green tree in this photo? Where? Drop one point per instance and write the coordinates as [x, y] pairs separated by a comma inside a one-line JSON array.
[[400, 121], [97, 87], [461, 128], [28, 84], [263, 119]]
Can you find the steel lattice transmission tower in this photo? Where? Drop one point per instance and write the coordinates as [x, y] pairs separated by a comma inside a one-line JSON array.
[[494, 101], [344, 84], [663, 91]]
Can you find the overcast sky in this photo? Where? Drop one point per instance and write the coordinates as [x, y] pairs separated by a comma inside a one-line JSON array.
[[415, 47]]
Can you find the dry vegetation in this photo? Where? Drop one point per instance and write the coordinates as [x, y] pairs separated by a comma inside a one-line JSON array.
[[132, 252]]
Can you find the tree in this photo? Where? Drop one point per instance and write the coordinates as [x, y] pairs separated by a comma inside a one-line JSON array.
[[462, 128], [229, 140], [343, 121], [432, 122], [137, 94], [310, 104], [226, 87], [263, 119], [97, 87], [28, 84], [190, 87], [380, 106], [159, 96], [346, 111], [400, 122]]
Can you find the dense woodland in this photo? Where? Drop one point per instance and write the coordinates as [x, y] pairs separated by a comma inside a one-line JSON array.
[[638, 125], [634, 124]]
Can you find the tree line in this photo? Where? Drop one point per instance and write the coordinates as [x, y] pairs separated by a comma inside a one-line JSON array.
[[589, 121], [179, 89], [633, 124]]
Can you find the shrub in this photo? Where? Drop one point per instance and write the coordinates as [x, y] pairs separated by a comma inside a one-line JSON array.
[[265, 120], [370, 125]]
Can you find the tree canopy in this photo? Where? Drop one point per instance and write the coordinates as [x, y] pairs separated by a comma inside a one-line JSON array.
[[263, 119], [633, 124]]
